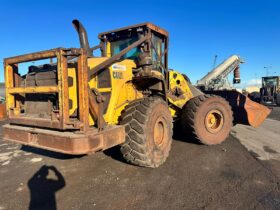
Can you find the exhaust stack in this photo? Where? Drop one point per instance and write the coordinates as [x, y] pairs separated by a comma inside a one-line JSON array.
[[82, 36]]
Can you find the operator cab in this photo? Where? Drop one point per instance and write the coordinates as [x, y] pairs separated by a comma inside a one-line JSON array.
[[151, 52]]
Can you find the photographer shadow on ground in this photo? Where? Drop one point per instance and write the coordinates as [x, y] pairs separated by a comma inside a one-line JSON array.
[[178, 135], [43, 189]]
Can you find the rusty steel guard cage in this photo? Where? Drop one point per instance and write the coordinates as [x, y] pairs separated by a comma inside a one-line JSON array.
[[62, 122], [59, 133]]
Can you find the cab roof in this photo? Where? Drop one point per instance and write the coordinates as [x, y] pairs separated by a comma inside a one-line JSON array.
[[149, 25]]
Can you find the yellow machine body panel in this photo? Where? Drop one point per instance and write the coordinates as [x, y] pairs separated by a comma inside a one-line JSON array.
[[179, 86], [73, 97], [121, 89]]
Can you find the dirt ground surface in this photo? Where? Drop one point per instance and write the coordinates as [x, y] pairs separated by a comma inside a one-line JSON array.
[[275, 114], [227, 176]]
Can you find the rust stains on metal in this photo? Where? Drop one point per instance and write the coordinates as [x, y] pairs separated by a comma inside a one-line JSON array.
[[31, 130], [41, 122], [65, 142], [14, 93], [214, 121], [43, 89], [2, 111], [63, 98], [148, 25], [32, 56], [256, 113], [83, 89], [96, 108], [245, 111]]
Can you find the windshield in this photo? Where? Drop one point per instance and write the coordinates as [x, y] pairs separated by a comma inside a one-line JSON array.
[[269, 82], [118, 45], [157, 51]]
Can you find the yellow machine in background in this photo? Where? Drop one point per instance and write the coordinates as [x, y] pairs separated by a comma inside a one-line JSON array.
[[128, 96]]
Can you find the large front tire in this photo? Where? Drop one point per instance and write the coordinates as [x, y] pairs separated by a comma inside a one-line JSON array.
[[148, 126], [207, 118]]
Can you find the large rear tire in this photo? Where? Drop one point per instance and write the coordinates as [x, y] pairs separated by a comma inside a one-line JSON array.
[[207, 118], [148, 125]]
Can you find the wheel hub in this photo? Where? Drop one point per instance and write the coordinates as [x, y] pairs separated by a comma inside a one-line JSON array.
[[214, 121], [160, 130]]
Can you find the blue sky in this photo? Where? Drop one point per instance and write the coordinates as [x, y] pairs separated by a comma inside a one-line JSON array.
[[199, 29]]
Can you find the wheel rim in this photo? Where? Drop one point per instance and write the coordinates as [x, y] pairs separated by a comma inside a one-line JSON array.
[[160, 130], [214, 121]]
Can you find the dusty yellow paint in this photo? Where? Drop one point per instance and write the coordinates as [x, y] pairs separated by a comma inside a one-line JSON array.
[[173, 111], [108, 49], [42, 89], [177, 80], [122, 90], [73, 91], [10, 99]]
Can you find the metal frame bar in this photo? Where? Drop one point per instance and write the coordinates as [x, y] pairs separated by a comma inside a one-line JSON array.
[[63, 97], [82, 75], [148, 25], [42, 89], [114, 58], [63, 122], [32, 56], [9, 82]]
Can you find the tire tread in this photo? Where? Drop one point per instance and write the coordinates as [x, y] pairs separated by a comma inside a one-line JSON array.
[[134, 118]]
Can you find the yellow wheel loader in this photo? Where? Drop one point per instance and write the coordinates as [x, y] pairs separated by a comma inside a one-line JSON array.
[[79, 103]]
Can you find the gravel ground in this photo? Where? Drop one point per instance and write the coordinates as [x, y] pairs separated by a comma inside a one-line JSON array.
[[275, 114], [226, 176]]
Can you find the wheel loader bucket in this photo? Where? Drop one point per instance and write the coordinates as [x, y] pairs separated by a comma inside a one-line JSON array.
[[245, 111], [256, 113]]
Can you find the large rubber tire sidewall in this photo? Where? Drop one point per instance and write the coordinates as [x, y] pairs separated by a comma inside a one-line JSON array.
[[194, 114], [213, 103], [158, 153], [139, 119]]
